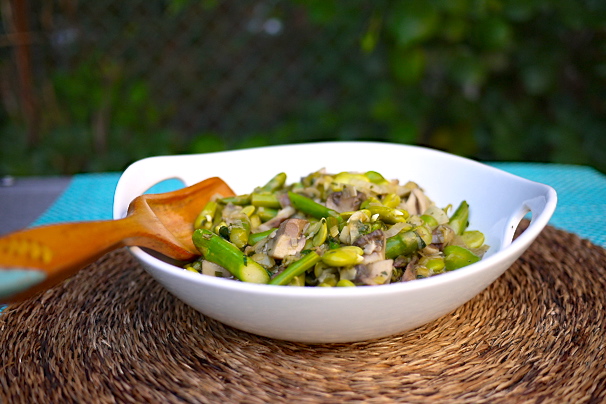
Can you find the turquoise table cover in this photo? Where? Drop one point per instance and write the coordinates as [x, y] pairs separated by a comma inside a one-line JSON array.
[[581, 197]]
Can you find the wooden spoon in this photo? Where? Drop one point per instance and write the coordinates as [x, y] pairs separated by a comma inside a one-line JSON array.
[[35, 259]]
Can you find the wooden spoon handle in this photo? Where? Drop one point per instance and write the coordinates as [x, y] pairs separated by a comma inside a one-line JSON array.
[[36, 259]]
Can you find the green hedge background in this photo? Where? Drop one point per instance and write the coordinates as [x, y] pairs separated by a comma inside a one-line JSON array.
[[118, 80]]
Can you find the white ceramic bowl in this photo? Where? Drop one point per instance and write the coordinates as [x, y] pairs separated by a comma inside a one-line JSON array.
[[498, 201]]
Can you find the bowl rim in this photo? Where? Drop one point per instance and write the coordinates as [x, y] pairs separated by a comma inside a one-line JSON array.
[[506, 253]]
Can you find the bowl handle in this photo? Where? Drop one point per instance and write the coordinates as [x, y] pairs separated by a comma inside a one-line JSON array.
[[541, 209], [144, 174]]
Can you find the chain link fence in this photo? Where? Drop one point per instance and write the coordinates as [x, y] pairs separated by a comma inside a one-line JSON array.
[[227, 68], [93, 85]]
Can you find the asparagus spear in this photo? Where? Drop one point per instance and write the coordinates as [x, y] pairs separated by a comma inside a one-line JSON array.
[[344, 256], [375, 177], [239, 230], [275, 183], [389, 215], [310, 207], [206, 216], [296, 268], [237, 200], [223, 253], [473, 238], [456, 257], [254, 238], [408, 242], [391, 200], [265, 199], [460, 218], [266, 214]]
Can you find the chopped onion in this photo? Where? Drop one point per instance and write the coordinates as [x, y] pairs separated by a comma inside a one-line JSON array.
[[437, 213], [395, 229]]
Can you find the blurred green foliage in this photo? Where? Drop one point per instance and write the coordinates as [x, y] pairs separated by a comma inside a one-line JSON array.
[[516, 80]]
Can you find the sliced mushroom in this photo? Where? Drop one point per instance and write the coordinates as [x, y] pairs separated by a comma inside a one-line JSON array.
[[417, 202], [284, 199], [282, 215], [347, 200], [410, 273], [289, 239], [373, 245], [442, 236], [375, 273]]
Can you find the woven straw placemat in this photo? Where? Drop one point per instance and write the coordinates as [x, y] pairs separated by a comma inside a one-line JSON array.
[[113, 334]]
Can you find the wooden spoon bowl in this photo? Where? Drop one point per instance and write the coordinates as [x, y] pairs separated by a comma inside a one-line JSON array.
[[35, 259]]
